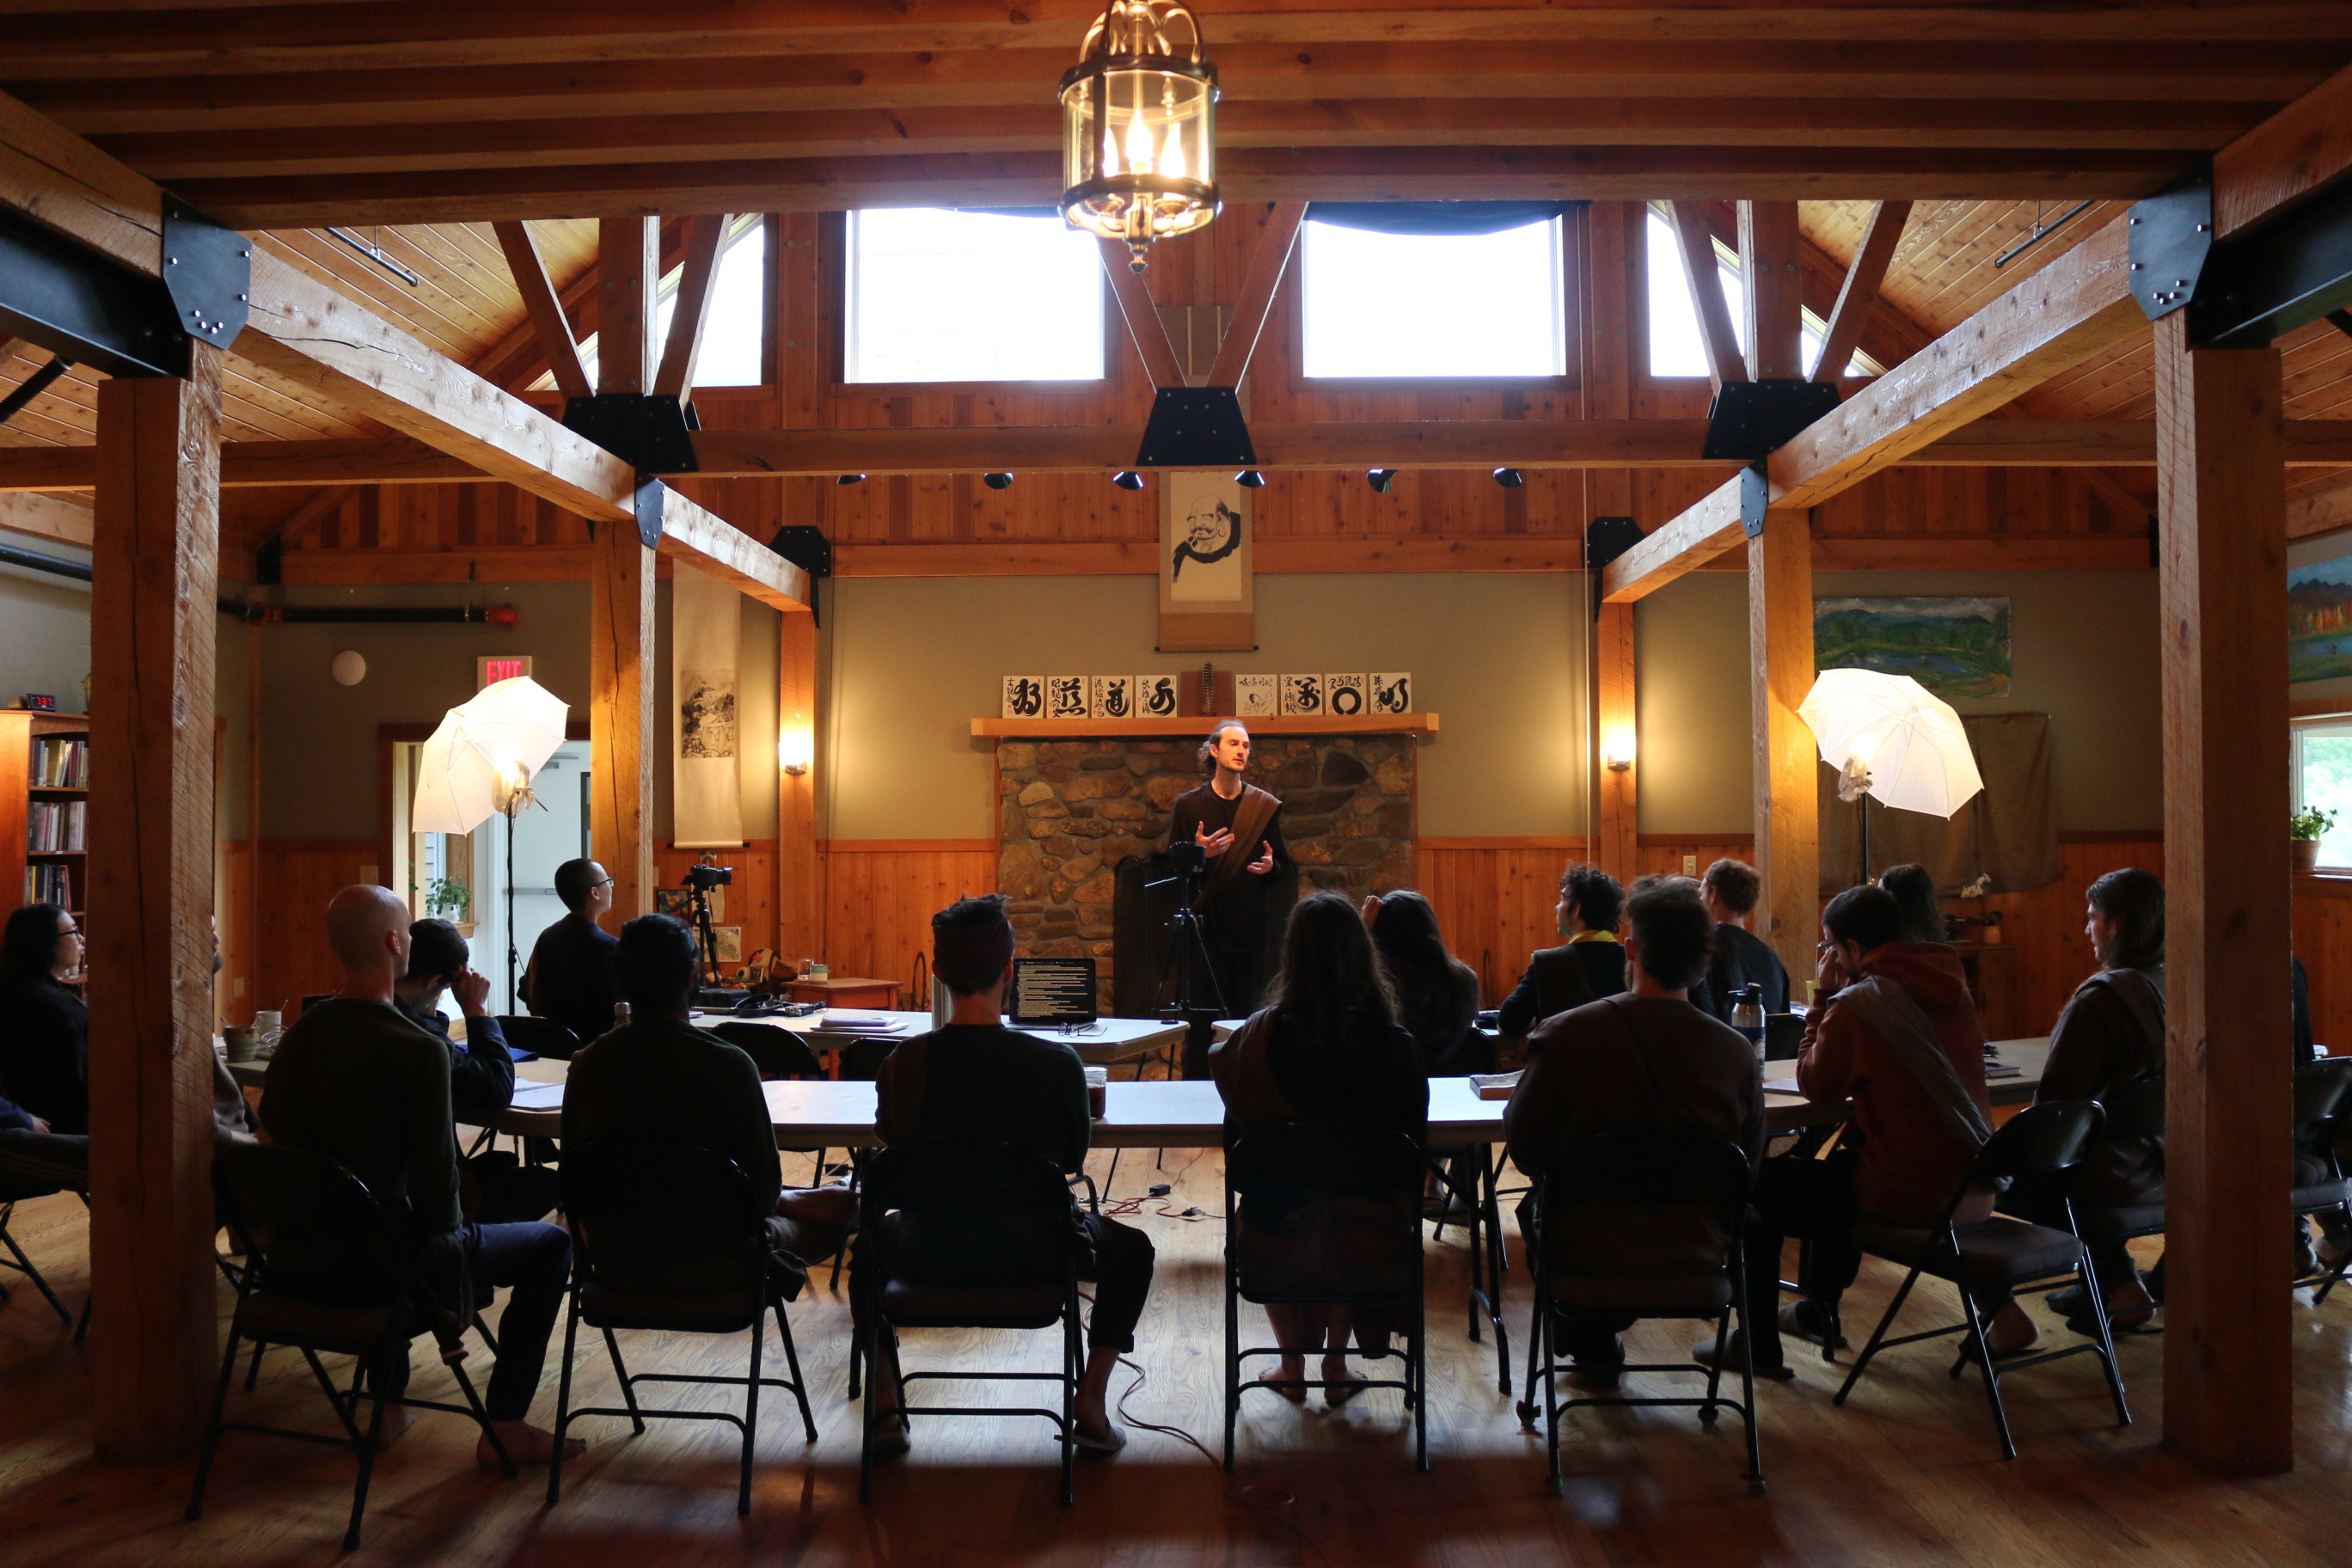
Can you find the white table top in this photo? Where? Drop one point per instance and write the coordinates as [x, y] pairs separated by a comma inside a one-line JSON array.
[[1105, 1041]]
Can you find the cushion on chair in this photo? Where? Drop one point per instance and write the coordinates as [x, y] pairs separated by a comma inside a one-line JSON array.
[[2136, 1219], [2318, 1195], [318, 1325], [1703, 1295], [706, 1312], [912, 1305], [1997, 1251]]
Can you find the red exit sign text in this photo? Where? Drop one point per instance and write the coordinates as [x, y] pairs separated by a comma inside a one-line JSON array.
[[506, 667]]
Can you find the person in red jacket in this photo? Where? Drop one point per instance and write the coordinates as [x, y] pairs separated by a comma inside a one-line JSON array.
[[1899, 1037]]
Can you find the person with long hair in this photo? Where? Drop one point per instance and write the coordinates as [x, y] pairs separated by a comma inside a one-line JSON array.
[[1436, 993], [1913, 890], [44, 1028], [1327, 1048], [1238, 827]]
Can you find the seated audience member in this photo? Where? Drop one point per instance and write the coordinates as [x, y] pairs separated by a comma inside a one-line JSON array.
[[570, 976], [660, 1079], [2111, 1033], [357, 1082], [1436, 993], [1589, 966], [975, 1078], [44, 1028], [1646, 1059], [1329, 1049], [1913, 889], [481, 1071], [1741, 958], [1897, 1033]]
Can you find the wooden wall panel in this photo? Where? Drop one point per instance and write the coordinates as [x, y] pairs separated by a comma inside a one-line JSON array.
[[881, 893], [1495, 899], [2323, 940], [297, 876]]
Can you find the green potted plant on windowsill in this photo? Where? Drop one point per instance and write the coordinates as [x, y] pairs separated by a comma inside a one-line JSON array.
[[2303, 832], [446, 899]]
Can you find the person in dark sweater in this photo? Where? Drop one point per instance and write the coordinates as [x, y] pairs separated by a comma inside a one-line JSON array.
[[975, 1078], [1239, 828], [660, 1079], [1590, 966], [569, 977], [1646, 1059], [1436, 993], [356, 1081], [44, 1028], [1329, 1049], [1741, 958]]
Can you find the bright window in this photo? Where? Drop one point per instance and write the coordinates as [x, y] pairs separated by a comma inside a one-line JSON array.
[[935, 295], [736, 324], [1394, 305], [2323, 781], [1676, 346]]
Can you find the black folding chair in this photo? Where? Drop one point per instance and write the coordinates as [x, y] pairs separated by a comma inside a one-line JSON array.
[[920, 1265], [329, 1273], [15, 1190], [539, 1036], [2134, 1112], [670, 1238], [1363, 1183], [2042, 1140], [2323, 1119], [781, 1055]]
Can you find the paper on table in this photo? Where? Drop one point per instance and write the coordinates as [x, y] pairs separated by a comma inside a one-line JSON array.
[[863, 1023], [538, 1096], [1781, 1086]]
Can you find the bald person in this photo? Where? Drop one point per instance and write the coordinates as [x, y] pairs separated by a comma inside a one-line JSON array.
[[358, 1083]]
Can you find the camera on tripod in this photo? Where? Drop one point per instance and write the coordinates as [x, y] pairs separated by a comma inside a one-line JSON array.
[[1187, 863], [702, 879]]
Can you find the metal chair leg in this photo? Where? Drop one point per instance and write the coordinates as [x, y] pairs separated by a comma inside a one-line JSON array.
[[213, 1427], [564, 1396], [1876, 1334], [628, 1393], [792, 1359], [751, 1414], [367, 1474]]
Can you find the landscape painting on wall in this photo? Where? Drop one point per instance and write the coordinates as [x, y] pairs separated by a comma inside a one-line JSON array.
[[2319, 620], [1953, 648]]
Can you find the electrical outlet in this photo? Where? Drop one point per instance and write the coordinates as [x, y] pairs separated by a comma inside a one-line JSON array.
[[1690, 865]]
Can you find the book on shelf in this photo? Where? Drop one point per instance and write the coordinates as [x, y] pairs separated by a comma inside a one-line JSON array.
[[49, 882], [60, 763], [57, 826]]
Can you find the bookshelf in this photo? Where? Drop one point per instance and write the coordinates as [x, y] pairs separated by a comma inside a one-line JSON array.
[[45, 801]]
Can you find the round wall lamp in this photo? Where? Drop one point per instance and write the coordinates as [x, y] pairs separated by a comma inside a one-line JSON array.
[[349, 667]]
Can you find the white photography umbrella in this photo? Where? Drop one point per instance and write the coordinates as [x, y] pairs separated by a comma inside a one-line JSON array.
[[480, 761], [1890, 740]]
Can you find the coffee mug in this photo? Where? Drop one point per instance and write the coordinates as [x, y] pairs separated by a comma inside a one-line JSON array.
[[240, 1043]]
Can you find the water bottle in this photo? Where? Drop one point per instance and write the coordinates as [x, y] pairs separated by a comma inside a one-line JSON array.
[[1747, 1016], [620, 1014]]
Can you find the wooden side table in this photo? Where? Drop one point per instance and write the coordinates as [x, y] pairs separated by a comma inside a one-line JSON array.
[[845, 992]]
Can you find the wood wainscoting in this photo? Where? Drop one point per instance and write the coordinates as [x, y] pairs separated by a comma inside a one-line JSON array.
[[880, 894]]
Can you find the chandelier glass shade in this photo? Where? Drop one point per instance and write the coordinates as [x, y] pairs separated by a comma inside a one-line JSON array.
[[1138, 122]]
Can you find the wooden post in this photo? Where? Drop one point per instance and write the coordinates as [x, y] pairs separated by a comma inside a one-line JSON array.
[[628, 262], [154, 579], [621, 733], [1610, 493], [1788, 809], [800, 872], [2221, 496], [1769, 249]]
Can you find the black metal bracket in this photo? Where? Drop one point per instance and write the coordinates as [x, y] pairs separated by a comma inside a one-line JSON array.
[[83, 306], [649, 430], [1749, 419], [652, 498], [1196, 427], [804, 546], [2169, 236], [1755, 498], [1607, 538], [2286, 273], [209, 272]]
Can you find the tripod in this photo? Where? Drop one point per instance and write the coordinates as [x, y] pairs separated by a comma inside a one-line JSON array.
[[700, 922], [1185, 969]]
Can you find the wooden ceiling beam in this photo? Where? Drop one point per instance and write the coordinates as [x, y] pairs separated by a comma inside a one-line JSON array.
[[543, 310], [2288, 156], [1145, 329], [1859, 294], [1269, 255], [219, 39], [1339, 446], [675, 378], [1702, 273]]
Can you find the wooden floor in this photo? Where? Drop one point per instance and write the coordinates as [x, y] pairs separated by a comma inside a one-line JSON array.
[[1908, 1475]]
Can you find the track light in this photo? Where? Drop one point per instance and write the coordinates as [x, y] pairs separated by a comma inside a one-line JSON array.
[[850, 480], [1250, 479], [1128, 480], [997, 481], [1380, 479], [1509, 478]]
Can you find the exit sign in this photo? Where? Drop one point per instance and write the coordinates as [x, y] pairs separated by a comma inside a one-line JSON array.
[[506, 667]]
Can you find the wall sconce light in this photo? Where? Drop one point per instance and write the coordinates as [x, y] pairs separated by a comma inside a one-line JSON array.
[[795, 749], [1617, 751]]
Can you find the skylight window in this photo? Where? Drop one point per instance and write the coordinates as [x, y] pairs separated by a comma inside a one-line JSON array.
[[1399, 305], [1676, 346], [936, 295], [735, 328]]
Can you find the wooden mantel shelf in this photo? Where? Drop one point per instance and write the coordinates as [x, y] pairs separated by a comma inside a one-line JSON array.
[[1198, 724]]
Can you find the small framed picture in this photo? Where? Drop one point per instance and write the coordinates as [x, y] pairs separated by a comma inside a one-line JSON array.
[[1257, 696], [1343, 694], [1302, 695], [1065, 697], [728, 940], [1111, 696], [1025, 697], [1155, 696], [1392, 694], [673, 902]]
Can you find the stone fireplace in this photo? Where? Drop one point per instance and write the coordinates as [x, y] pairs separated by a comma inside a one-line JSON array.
[[1071, 811]]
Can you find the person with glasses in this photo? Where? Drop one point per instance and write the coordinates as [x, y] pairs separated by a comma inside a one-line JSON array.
[[570, 979], [43, 1050]]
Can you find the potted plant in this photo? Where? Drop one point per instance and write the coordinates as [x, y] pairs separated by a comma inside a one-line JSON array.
[[2303, 832], [452, 900]]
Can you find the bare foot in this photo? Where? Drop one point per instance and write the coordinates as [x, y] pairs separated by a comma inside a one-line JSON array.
[[526, 1444], [2011, 1330], [397, 1419], [1289, 1369], [1346, 1383], [2130, 1307]]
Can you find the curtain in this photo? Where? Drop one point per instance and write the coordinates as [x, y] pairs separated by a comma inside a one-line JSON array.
[[2008, 831], [1435, 217]]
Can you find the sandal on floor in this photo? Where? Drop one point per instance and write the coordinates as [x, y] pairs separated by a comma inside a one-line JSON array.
[[1110, 1442]]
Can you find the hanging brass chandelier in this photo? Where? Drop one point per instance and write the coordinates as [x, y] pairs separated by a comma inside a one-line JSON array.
[[1139, 117]]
